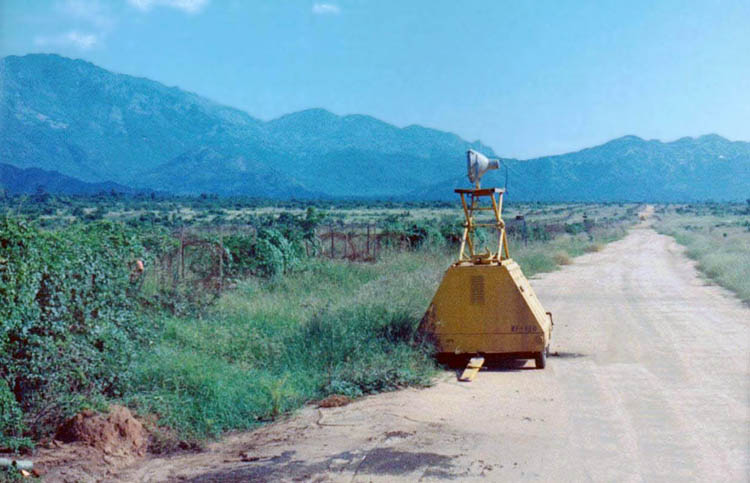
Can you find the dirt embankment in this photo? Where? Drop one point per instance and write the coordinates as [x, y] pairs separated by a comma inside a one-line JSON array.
[[649, 382], [92, 446]]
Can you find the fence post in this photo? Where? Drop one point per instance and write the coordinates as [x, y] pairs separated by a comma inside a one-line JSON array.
[[377, 244], [182, 253], [333, 247], [368, 240], [221, 263]]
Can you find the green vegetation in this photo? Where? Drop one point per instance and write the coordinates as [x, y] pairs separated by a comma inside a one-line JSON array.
[[717, 236], [244, 311], [270, 345], [69, 318], [333, 327]]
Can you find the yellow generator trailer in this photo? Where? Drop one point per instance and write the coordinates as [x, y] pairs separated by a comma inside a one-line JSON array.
[[485, 306]]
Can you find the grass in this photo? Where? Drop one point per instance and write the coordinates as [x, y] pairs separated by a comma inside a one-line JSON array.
[[717, 238], [269, 347], [539, 257]]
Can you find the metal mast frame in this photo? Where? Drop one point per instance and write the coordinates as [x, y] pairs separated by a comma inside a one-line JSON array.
[[470, 200]]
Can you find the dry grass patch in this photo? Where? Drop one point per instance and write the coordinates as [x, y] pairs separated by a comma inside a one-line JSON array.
[[562, 258], [717, 237]]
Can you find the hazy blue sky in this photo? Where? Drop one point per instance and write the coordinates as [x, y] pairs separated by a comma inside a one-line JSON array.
[[527, 77]]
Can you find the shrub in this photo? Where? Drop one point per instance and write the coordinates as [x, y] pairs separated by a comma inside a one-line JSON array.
[[418, 233], [11, 421], [67, 320], [266, 254]]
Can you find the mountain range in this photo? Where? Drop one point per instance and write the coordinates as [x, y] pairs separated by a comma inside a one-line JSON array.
[[61, 117], [629, 168], [16, 181]]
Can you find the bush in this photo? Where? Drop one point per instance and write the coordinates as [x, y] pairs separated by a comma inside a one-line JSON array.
[[11, 421], [267, 254], [67, 320], [420, 233]]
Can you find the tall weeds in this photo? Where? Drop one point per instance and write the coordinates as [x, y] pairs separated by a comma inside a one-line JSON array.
[[718, 238]]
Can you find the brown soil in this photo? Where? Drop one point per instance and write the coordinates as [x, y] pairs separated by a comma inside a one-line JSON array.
[[90, 445], [119, 434], [334, 401]]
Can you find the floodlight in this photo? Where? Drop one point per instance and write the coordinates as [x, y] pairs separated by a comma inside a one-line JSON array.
[[477, 164]]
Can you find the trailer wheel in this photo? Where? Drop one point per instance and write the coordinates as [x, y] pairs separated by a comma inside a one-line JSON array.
[[541, 359]]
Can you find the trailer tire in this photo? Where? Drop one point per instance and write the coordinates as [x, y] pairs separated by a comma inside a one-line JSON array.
[[541, 359]]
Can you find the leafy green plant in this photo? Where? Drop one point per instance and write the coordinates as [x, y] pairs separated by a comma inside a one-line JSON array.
[[67, 321], [12, 426], [266, 254]]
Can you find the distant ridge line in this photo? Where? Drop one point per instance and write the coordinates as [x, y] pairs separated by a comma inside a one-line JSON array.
[[96, 126]]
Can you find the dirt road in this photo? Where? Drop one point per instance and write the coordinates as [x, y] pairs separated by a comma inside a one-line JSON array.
[[651, 384]]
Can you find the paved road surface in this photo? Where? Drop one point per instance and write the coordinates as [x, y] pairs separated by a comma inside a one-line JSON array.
[[650, 384]]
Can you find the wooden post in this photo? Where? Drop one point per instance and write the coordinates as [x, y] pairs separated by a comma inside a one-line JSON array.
[[333, 247], [221, 263], [182, 253], [368, 239]]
